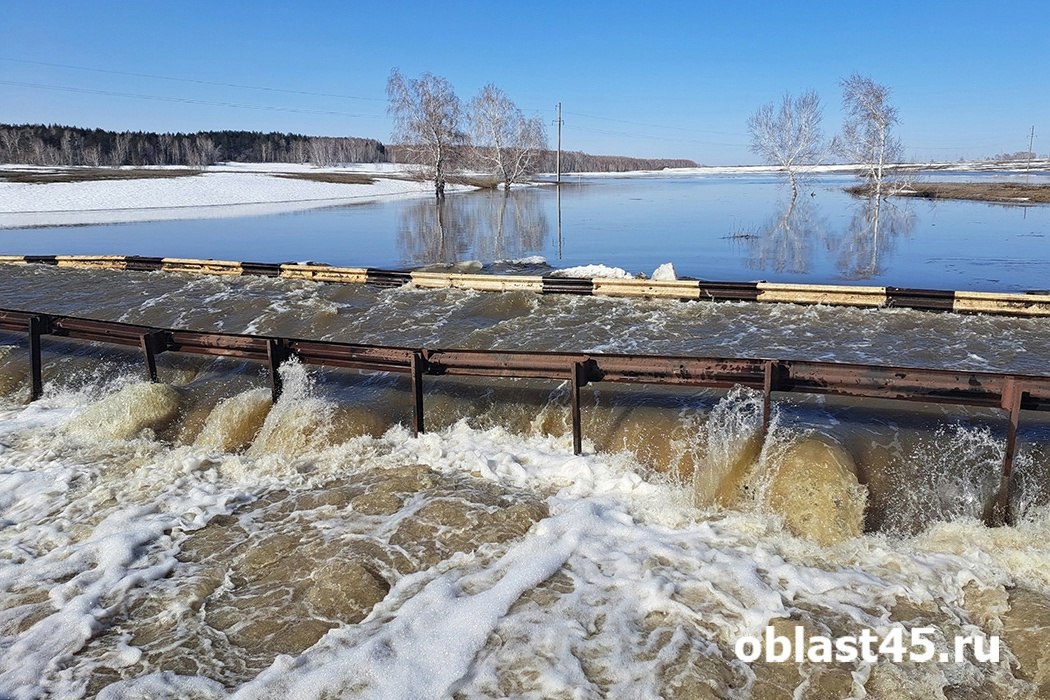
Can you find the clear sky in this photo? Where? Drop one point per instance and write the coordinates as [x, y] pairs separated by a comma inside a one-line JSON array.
[[661, 79]]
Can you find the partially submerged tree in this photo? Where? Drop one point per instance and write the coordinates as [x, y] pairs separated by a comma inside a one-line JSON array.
[[789, 135], [867, 133], [505, 142], [427, 120]]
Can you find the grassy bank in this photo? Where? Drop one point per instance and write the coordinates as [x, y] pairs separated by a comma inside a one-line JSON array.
[[38, 177], [1002, 192], [338, 178]]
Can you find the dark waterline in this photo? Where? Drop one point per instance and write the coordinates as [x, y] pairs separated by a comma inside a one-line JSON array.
[[713, 227]]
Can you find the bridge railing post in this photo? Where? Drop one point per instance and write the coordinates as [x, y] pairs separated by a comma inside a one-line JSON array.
[[276, 353], [37, 326], [1011, 402], [152, 343], [416, 366], [578, 379]]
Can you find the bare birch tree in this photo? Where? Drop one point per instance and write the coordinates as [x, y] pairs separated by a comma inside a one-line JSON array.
[[789, 135], [121, 147], [10, 146], [427, 120], [505, 142], [867, 133]]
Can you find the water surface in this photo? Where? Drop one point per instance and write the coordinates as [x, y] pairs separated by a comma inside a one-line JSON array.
[[710, 227], [191, 539]]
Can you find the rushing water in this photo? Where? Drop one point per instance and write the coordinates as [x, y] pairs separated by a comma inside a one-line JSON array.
[[189, 539], [713, 227]]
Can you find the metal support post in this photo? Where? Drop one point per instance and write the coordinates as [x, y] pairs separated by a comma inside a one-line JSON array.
[[1011, 401], [578, 379], [417, 365], [151, 344], [36, 329], [276, 353]]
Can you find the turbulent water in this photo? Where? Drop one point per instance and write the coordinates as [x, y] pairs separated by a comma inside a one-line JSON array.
[[189, 539]]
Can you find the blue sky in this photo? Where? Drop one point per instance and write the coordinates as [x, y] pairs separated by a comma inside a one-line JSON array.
[[661, 79]]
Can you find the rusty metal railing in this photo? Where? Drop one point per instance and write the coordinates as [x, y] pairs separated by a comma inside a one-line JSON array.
[[1009, 392]]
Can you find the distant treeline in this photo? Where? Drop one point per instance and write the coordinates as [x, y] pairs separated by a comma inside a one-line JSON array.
[[37, 144], [571, 161], [1016, 156], [579, 162]]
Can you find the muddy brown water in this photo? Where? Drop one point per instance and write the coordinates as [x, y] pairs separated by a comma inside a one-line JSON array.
[[320, 522]]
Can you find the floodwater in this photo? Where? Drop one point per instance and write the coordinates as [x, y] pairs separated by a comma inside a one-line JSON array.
[[710, 227], [191, 539]]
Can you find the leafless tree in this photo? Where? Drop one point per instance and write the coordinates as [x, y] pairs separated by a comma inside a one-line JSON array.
[[91, 156], [867, 134], [505, 142], [789, 135], [121, 147], [321, 152], [427, 119], [10, 146]]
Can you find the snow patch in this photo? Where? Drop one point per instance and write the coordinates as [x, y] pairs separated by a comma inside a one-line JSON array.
[[590, 271], [222, 191], [665, 273]]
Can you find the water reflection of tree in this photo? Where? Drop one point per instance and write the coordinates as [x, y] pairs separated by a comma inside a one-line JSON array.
[[484, 226], [785, 242], [872, 234]]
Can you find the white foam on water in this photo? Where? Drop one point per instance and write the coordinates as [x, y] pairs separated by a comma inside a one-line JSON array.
[[617, 593], [84, 533]]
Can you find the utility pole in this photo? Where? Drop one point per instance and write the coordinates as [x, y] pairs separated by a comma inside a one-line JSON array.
[[558, 122], [1031, 141]]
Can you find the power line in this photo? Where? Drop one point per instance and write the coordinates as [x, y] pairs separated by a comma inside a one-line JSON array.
[[192, 80], [653, 138], [180, 100], [654, 126]]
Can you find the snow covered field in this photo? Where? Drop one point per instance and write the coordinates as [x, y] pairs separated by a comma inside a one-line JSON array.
[[220, 191], [235, 189], [245, 189]]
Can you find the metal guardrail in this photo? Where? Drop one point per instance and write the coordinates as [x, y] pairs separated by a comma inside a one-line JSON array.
[[1009, 392], [1035, 303]]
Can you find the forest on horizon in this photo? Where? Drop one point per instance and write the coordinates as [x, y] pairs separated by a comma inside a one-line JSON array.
[[56, 145]]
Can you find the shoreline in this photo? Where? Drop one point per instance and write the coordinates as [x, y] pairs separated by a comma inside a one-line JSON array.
[[227, 190], [988, 192], [46, 196]]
